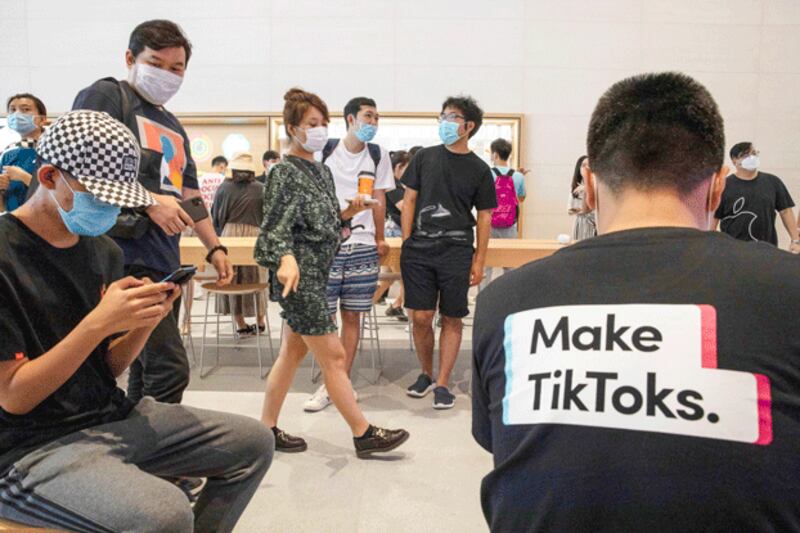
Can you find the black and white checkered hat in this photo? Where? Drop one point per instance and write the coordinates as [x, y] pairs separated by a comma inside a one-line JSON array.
[[99, 152]]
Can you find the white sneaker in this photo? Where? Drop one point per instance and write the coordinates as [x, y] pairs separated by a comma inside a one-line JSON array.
[[318, 401]]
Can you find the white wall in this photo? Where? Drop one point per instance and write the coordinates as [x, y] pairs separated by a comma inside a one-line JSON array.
[[549, 59]]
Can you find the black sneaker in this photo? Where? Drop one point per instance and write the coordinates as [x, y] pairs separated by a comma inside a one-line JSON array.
[[379, 440], [288, 443], [396, 312], [421, 387], [443, 398]]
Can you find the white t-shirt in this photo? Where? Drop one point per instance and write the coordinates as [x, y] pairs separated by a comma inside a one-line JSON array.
[[209, 183], [345, 168]]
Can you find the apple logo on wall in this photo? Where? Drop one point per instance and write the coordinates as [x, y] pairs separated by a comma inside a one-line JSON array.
[[738, 211]]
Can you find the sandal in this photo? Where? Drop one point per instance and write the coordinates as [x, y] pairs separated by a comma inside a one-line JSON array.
[[246, 331]]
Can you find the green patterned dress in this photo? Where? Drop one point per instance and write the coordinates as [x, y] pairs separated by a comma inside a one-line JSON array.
[[301, 218]]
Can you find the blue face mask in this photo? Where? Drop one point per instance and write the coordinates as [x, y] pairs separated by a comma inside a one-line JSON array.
[[448, 132], [21, 123], [89, 216], [366, 132]]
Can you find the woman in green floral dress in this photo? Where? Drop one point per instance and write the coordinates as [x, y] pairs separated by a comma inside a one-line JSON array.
[[299, 238]]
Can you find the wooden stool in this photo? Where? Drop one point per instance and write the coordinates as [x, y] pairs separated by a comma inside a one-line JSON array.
[[386, 279], [187, 309], [249, 289]]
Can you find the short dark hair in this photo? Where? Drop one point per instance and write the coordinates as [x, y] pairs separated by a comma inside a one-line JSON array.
[[37, 102], [654, 131], [269, 155], [469, 108], [219, 159], [158, 34], [413, 150], [399, 157], [739, 149], [501, 147], [354, 106]]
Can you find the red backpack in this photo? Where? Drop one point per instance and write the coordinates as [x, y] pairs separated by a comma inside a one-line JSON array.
[[505, 214]]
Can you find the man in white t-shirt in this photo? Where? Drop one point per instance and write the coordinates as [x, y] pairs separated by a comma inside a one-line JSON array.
[[354, 272], [210, 181]]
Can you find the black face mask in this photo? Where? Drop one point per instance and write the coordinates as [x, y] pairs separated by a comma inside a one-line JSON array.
[[243, 175]]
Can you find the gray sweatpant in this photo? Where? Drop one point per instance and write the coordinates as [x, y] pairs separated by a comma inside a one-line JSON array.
[[107, 478]]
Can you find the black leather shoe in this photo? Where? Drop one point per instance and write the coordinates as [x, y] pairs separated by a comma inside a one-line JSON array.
[[287, 443], [379, 440]]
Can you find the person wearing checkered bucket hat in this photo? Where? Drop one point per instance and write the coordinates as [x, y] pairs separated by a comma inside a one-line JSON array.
[[157, 57], [75, 452]]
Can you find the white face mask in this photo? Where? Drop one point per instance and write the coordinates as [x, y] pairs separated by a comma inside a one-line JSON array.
[[750, 162], [154, 84], [315, 139]]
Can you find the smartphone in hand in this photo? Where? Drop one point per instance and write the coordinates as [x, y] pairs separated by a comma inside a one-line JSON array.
[[367, 201], [181, 276], [195, 208]]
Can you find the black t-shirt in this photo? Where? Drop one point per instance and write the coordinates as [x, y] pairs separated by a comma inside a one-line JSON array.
[[643, 380], [449, 185], [747, 210], [394, 197], [160, 131], [44, 293]]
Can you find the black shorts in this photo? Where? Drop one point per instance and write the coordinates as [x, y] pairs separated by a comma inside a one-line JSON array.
[[436, 269]]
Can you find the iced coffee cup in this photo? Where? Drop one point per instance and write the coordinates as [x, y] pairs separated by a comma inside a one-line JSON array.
[[366, 184]]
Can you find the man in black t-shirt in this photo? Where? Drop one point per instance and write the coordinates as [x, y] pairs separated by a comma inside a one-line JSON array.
[[647, 379], [75, 452], [443, 184], [157, 57], [269, 158], [751, 199]]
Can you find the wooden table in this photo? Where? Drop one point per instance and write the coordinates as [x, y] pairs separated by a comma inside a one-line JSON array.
[[501, 253]]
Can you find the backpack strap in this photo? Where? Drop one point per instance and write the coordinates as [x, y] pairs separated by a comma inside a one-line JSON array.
[[373, 149], [375, 154], [496, 172], [511, 172], [128, 113], [330, 146]]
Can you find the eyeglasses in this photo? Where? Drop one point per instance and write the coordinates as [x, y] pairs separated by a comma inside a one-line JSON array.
[[450, 117]]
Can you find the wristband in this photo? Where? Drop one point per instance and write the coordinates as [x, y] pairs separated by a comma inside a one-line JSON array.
[[214, 249]]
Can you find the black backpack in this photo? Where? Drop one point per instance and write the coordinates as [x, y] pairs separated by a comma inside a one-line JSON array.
[[374, 151]]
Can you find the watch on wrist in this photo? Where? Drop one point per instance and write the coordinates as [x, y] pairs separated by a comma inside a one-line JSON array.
[[214, 250]]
